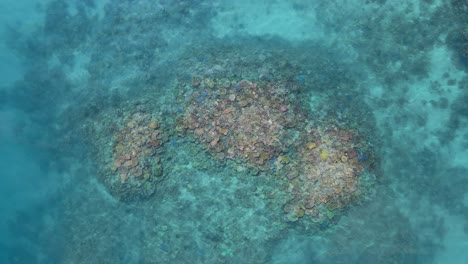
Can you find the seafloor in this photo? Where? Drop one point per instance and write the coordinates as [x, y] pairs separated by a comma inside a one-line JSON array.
[[138, 131]]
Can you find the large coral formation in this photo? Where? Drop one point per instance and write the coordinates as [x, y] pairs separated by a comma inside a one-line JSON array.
[[135, 167], [260, 125], [325, 175], [317, 165], [245, 121]]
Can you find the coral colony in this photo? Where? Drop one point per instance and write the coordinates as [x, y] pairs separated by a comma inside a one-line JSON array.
[[260, 125], [135, 167]]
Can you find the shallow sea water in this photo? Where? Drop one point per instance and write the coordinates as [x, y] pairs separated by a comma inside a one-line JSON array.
[[219, 99]]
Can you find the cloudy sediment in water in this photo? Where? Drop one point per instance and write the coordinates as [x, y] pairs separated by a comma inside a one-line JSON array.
[[234, 131]]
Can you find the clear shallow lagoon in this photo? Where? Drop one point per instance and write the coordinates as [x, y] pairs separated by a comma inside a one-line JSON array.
[[262, 131]]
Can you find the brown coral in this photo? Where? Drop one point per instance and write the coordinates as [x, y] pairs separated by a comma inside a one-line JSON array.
[[134, 144], [250, 119]]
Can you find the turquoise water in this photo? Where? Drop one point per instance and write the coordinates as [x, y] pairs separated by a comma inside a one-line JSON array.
[[232, 107]]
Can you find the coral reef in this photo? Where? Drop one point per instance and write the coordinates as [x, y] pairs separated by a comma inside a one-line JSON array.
[[133, 165], [325, 174], [259, 125], [244, 121]]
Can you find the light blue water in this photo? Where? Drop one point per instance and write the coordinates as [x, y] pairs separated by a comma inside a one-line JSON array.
[[72, 70]]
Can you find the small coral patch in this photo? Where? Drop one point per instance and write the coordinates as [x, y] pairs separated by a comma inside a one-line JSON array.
[[129, 147]]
